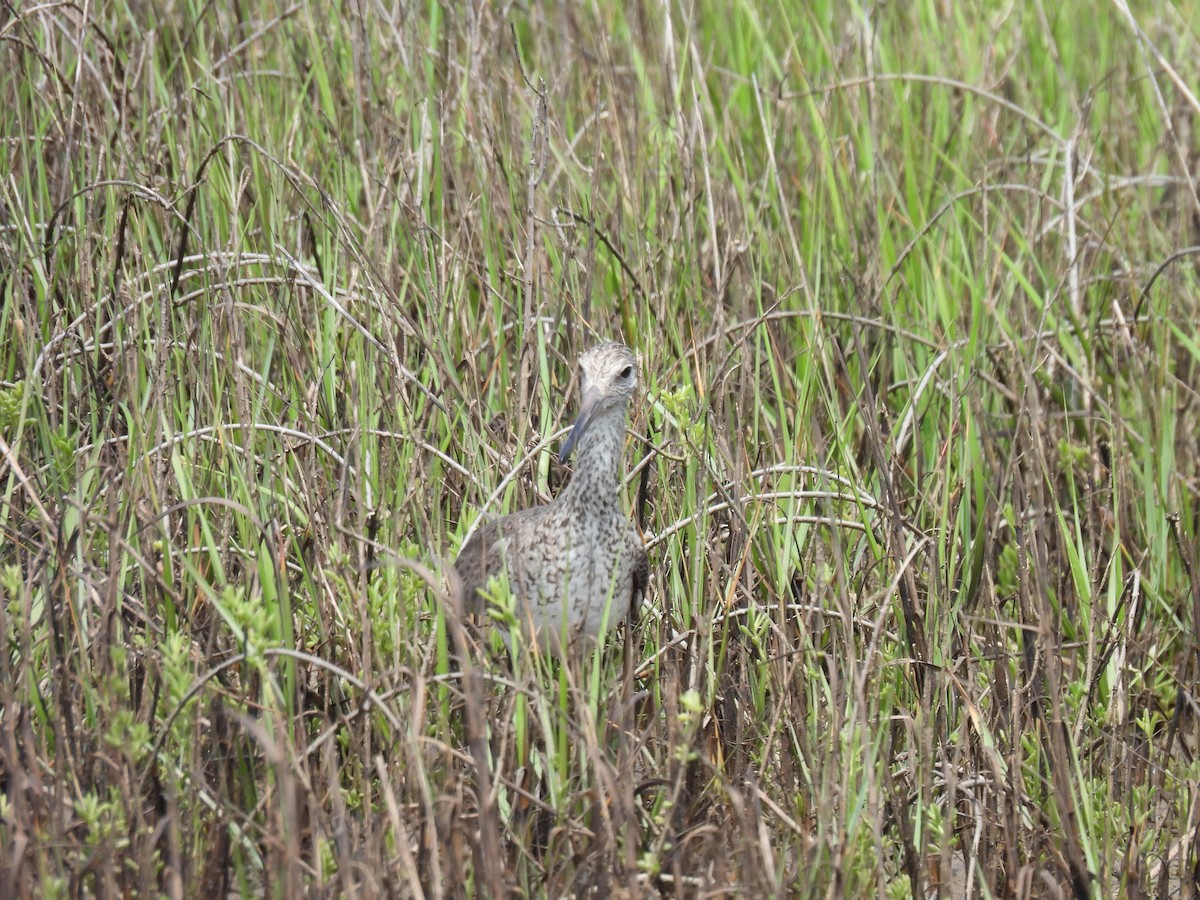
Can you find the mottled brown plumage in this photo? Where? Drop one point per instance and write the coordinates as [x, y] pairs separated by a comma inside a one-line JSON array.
[[566, 558]]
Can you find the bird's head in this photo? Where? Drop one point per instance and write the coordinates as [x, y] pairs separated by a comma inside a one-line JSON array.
[[608, 376]]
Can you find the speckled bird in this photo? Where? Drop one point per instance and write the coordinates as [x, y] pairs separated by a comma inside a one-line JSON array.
[[566, 558]]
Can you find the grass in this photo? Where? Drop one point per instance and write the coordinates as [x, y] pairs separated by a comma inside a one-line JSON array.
[[292, 294]]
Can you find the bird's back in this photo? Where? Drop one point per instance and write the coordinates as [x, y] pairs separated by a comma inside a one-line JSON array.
[[485, 555], [553, 557]]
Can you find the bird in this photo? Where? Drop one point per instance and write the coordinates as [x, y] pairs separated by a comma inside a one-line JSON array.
[[565, 559]]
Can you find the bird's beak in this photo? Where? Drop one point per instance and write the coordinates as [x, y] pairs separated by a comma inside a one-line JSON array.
[[587, 413]]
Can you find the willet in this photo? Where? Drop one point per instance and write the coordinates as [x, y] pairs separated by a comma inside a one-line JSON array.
[[566, 559]]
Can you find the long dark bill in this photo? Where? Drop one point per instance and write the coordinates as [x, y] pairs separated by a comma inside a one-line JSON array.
[[587, 412]]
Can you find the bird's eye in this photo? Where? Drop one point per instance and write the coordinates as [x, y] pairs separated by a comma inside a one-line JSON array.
[[627, 372]]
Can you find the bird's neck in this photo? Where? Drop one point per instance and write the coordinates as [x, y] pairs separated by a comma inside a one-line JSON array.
[[598, 460]]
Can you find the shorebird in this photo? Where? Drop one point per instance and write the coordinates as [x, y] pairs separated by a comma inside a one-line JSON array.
[[577, 563]]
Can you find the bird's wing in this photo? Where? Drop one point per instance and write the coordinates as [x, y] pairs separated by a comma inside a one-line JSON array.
[[641, 568], [481, 558], [485, 554]]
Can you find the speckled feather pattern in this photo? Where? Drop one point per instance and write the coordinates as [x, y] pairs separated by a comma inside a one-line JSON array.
[[566, 558]]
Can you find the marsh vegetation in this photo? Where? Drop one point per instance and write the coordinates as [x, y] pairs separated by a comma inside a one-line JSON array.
[[292, 294]]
